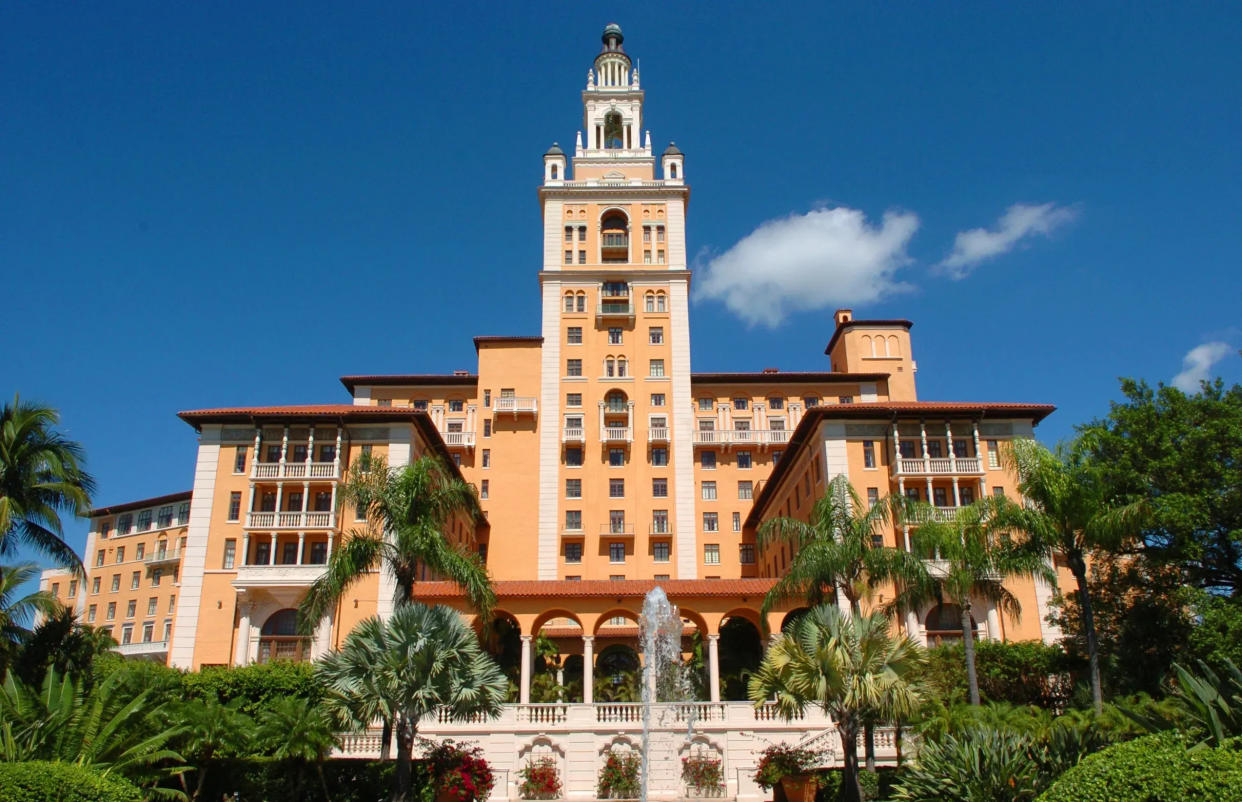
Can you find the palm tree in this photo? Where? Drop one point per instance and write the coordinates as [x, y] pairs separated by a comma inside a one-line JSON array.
[[41, 475], [16, 611], [836, 550], [849, 666], [407, 512], [973, 557], [421, 660], [62, 644], [300, 731], [1068, 512], [209, 730]]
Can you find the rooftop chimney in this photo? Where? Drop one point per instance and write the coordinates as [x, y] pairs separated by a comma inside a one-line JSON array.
[[843, 316]]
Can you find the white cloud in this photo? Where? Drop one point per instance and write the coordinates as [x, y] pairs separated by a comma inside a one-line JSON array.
[[1018, 222], [809, 261], [1197, 364]]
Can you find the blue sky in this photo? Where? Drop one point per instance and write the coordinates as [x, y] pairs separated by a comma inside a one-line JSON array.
[[226, 203]]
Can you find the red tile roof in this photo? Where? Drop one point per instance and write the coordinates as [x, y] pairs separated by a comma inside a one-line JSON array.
[[171, 498], [627, 588], [194, 417], [410, 379], [784, 376], [517, 339], [843, 327]]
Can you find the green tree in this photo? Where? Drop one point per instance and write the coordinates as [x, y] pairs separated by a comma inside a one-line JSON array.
[[18, 609], [421, 660], [1068, 510], [973, 559], [301, 732], [208, 731], [41, 476], [1183, 453], [62, 644], [850, 667], [408, 510]]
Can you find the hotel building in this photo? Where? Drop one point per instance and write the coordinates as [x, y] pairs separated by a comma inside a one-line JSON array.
[[604, 465]]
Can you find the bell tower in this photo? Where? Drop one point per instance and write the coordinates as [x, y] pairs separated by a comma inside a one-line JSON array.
[[615, 410]]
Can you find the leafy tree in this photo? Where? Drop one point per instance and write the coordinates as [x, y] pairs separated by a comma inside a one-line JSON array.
[[41, 476], [421, 660], [850, 667], [1217, 637], [1069, 511], [62, 644], [206, 732], [301, 732], [1183, 453], [408, 510], [257, 686], [16, 611], [974, 559]]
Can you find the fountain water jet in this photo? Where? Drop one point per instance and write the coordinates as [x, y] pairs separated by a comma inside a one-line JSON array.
[[664, 675]]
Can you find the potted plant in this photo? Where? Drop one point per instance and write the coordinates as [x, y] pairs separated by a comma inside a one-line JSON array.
[[618, 779], [540, 779], [792, 768], [459, 773], [702, 775]]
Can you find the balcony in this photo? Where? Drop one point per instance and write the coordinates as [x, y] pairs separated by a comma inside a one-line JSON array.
[[659, 435], [615, 309], [278, 576], [616, 530], [295, 470], [163, 557], [941, 514], [621, 241], [741, 437], [151, 648], [573, 533], [618, 434], [290, 520], [516, 406], [458, 439], [660, 529], [573, 434], [938, 466]]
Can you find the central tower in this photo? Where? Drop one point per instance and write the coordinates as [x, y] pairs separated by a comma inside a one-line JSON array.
[[616, 486]]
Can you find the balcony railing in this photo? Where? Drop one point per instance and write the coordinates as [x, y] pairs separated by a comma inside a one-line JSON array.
[[290, 520], [661, 529], [938, 465], [148, 648], [657, 435], [516, 405], [616, 241], [616, 530], [615, 309], [295, 470], [617, 434], [573, 434], [458, 439], [741, 437], [278, 575], [941, 514], [163, 556]]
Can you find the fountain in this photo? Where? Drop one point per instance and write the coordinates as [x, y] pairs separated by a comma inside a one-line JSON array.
[[664, 675]]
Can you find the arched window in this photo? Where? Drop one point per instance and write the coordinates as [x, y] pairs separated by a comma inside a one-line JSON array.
[[279, 638], [672, 170], [868, 344], [893, 350], [569, 302], [554, 172], [650, 298], [581, 302], [621, 366], [660, 302], [944, 623], [616, 401], [610, 367], [614, 131]]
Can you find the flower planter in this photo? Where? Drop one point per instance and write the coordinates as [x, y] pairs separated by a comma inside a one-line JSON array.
[[799, 788], [708, 792]]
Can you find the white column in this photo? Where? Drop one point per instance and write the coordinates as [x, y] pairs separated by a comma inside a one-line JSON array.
[[601, 420], [994, 630], [284, 449], [271, 554], [280, 491], [948, 433], [524, 694], [912, 627], [258, 443], [713, 665], [336, 463], [896, 447], [588, 669], [983, 478], [242, 650], [301, 545], [331, 537], [245, 555], [470, 416], [305, 496], [249, 504], [310, 448], [923, 438], [629, 421], [957, 494]]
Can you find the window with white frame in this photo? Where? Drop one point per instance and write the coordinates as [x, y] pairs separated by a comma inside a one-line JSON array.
[[993, 454], [746, 554], [657, 368], [708, 491], [616, 552], [659, 522], [573, 488], [655, 335], [868, 453], [573, 520], [711, 554], [573, 399], [657, 399], [659, 488], [737, 522], [745, 490], [743, 459], [660, 551], [711, 522], [573, 335]]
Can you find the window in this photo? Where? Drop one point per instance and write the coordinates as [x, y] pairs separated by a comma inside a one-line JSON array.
[[569, 260], [659, 522], [574, 335], [73, 588], [573, 399], [743, 459], [144, 520], [573, 578], [711, 554], [912, 493], [614, 335], [383, 402], [993, 454], [573, 457], [646, 233], [99, 557], [239, 460], [776, 403], [124, 524], [868, 453], [116, 582], [134, 579], [737, 522], [573, 520], [616, 457], [659, 488], [569, 233], [172, 603], [456, 406], [657, 368], [167, 629], [616, 488], [660, 230], [152, 603], [234, 506], [95, 585], [104, 528], [740, 404], [156, 576], [90, 613], [933, 449], [55, 589], [616, 522], [659, 456], [745, 490], [580, 298], [573, 552], [483, 489], [111, 616], [998, 491], [967, 495], [657, 399], [299, 453], [707, 460], [907, 449], [581, 257], [708, 491], [487, 458], [581, 233], [705, 405], [873, 496], [230, 553], [940, 497], [711, 522], [811, 401], [660, 551], [487, 428], [120, 554], [183, 513], [746, 554], [655, 335], [457, 460], [148, 629], [960, 449], [776, 456], [127, 633], [616, 552], [420, 405], [573, 367], [845, 399]]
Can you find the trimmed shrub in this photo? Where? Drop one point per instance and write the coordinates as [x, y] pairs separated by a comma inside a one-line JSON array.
[[257, 685], [274, 780], [1017, 672], [1158, 767], [42, 781]]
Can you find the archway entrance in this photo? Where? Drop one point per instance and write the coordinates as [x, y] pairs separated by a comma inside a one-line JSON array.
[[279, 638]]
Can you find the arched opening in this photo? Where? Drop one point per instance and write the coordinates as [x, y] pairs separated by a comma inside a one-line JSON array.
[[554, 171], [672, 170], [741, 651], [558, 639], [503, 641], [944, 624], [618, 675], [279, 638], [615, 237], [792, 616], [614, 131], [616, 402]]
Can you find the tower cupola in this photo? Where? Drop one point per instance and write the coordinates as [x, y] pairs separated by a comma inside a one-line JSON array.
[[554, 164], [612, 66], [673, 163]]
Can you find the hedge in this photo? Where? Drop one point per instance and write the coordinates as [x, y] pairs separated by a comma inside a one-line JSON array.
[[43, 781], [273, 780], [1157, 768]]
